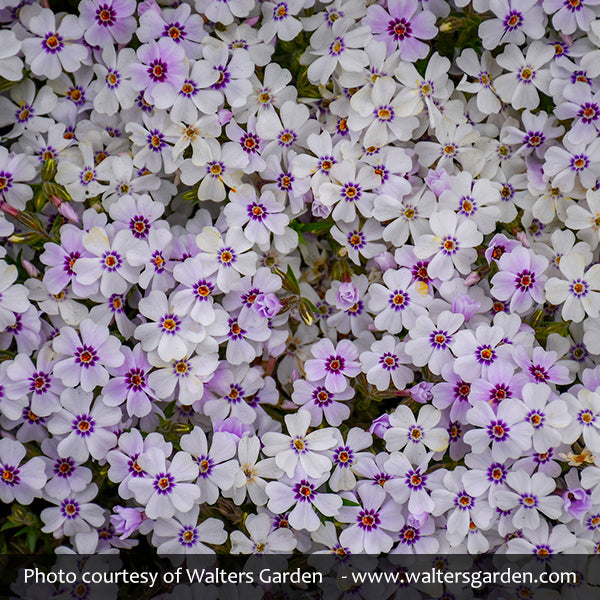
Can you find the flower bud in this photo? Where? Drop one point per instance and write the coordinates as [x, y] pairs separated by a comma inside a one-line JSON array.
[[267, 305], [126, 521], [380, 425], [438, 181], [385, 261], [421, 392], [347, 296]]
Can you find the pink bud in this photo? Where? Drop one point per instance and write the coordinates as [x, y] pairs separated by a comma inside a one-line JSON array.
[[347, 296], [8, 209], [438, 181], [472, 278], [522, 237], [267, 305], [380, 425], [320, 210], [29, 268], [224, 116], [251, 21], [295, 375], [68, 212], [147, 5], [385, 261]]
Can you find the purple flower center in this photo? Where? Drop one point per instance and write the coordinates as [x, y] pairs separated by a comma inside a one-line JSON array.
[[399, 300], [343, 457], [321, 397], [513, 20], [350, 192], [528, 501], [356, 239], [440, 339], [389, 361], [156, 140], [205, 465], [170, 324], [106, 15], [299, 445], [115, 303], [64, 467], [415, 434], [286, 138], [467, 206], [449, 245], [257, 211], [368, 519], [485, 355], [157, 70], [573, 5], [409, 535], [175, 31], [496, 473], [498, 431], [189, 88], [52, 43], [586, 417], [39, 382], [415, 479], [500, 392], [526, 75], [203, 289], [224, 77], [236, 393], [136, 379], [335, 364], [539, 373], [111, 261], [579, 162], [69, 508], [24, 113], [399, 29], [86, 356], [463, 501], [215, 169], [235, 331], [134, 468], [10, 475], [250, 143], [284, 181], [164, 483], [579, 288], [280, 11], [83, 425], [304, 491], [139, 226], [533, 139], [188, 536]]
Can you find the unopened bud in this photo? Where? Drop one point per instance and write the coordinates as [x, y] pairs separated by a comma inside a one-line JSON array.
[[8, 209], [31, 269], [472, 278], [48, 169]]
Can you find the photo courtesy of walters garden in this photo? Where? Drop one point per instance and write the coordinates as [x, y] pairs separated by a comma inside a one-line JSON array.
[[299, 276]]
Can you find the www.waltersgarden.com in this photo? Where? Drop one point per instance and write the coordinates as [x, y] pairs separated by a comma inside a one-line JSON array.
[[475, 579]]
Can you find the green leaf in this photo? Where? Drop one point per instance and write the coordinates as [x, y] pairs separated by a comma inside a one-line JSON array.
[[346, 502]]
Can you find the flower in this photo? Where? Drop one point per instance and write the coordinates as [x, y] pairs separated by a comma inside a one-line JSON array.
[[166, 488], [20, 482], [333, 364], [300, 448]]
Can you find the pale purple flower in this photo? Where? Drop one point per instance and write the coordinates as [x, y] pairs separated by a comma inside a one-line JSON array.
[[321, 403], [371, 523], [300, 448], [386, 361], [161, 66], [302, 492], [402, 26], [107, 21], [166, 489], [19, 482], [520, 279], [84, 356], [52, 48], [333, 364], [85, 428], [129, 383]]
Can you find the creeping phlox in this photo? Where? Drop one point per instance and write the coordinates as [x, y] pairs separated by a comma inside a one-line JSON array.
[[300, 275]]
